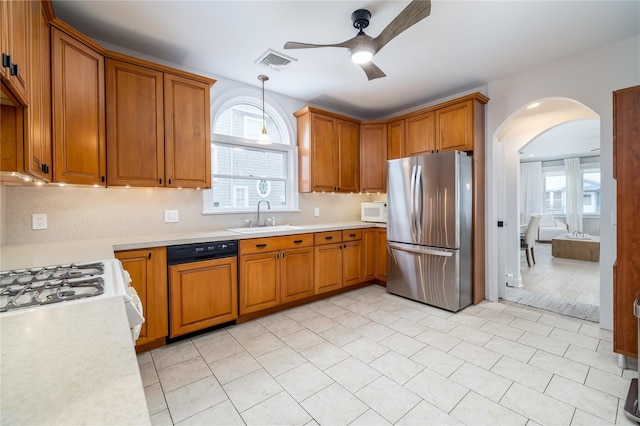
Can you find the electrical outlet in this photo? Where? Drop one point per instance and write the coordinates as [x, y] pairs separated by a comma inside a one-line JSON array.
[[39, 221], [316, 212], [171, 216]]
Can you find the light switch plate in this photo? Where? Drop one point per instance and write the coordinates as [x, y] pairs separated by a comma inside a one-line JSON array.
[[39, 221], [171, 216], [316, 211]]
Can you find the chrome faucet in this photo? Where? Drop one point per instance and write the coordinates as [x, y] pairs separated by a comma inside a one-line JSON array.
[[268, 207]]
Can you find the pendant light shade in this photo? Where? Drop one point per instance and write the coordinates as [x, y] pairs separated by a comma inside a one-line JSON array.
[[264, 137]]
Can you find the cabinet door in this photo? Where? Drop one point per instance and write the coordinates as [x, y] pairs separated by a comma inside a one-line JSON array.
[[135, 136], [38, 155], [259, 281], [202, 294], [327, 271], [187, 135], [454, 127], [420, 134], [16, 23], [373, 157], [395, 140], [11, 136], [324, 154], [297, 274], [78, 112], [352, 264], [369, 250], [148, 271], [381, 254], [349, 156], [626, 280]]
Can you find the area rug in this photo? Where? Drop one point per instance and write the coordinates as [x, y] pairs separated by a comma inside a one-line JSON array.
[[554, 304]]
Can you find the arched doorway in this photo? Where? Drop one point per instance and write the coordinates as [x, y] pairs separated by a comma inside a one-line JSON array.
[[519, 129]]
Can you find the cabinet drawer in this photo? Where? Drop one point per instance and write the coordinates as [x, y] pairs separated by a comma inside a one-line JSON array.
[[266, 244], [351, 234], [329, 237]]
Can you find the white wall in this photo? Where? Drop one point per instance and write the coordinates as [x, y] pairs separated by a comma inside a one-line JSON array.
[[590, 79]]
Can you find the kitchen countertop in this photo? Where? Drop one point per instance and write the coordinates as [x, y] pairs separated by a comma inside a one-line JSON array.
[[76, 364]]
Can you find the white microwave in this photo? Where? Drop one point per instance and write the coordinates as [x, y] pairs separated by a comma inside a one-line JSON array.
[[374, 212]]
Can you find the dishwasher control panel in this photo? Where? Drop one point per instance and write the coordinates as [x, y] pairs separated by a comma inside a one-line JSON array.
[[201, 251]]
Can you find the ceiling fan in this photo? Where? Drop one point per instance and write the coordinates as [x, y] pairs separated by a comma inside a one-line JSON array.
[[362, 47]]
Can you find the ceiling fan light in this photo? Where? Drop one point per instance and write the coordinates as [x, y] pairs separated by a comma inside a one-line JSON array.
[[361, 56]]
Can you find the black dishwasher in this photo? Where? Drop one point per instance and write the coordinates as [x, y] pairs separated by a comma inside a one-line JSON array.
[[203, 291]]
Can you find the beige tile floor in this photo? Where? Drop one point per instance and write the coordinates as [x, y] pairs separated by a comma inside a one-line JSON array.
[[370, 358]]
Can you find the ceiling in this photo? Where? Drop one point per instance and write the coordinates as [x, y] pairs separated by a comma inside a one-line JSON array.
[[580, 138], [462, 45]]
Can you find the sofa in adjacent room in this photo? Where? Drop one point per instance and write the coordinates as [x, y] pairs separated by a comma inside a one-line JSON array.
[[550, 227]]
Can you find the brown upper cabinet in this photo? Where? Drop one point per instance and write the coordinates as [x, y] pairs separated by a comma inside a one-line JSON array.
[[38, 151], [453, 125], [420, 133], [328, 152], [16, 20], [395, 139], [78, 108], [55, 102], [149, 143], [26, 91], [413, 135], [135, 116], [373, 157]]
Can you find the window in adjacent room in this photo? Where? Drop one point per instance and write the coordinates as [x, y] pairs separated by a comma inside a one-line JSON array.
[[243, 172], [555, 185]]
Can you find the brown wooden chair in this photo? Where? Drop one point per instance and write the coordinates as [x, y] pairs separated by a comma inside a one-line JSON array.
[[528, 240]]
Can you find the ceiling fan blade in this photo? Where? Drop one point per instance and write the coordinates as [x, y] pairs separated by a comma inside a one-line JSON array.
[[416, 11], [372, 71], [296, 45]]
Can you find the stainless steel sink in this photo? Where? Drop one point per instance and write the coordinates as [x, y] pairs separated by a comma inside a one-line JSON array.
[[264, 229]]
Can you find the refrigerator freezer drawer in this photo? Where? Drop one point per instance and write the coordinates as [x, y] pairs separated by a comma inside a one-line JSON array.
[[429, 275]]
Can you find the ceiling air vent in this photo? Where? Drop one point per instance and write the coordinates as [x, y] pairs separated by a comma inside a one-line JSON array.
[[274, 60]]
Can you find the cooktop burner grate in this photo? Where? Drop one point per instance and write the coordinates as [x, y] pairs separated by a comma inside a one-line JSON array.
[[21, 288]]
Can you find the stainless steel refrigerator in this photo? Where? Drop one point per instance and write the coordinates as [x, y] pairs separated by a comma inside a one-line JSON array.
[[429, 229]]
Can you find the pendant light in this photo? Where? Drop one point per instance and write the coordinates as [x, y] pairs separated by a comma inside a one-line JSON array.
[[264, 137]]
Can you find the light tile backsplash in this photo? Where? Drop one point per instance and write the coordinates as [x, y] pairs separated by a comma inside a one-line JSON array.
[[78, 213]]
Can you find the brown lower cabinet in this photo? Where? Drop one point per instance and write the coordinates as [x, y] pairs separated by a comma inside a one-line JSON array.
[[370, 251], [338, 260], [202, 294], [275, 270], [148, 271], [381, 254]]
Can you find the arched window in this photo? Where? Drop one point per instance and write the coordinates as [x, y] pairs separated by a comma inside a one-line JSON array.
[[243, 120], [244, 172]]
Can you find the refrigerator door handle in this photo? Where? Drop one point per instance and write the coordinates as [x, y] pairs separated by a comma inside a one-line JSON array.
[[419, 210], [414, 230], [411, 249]]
